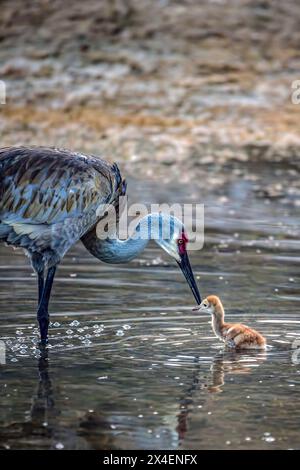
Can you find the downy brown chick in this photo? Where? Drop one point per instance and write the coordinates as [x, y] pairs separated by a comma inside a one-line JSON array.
[[234, 335]]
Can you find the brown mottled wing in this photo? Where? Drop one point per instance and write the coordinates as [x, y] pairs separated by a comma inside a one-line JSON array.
[[42, 186], [248, 333], [234, 331]]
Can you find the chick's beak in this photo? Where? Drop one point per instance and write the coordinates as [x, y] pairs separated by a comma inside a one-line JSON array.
[[185, 267]]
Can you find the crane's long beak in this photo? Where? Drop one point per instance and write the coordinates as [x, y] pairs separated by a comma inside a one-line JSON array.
[[185, 267]]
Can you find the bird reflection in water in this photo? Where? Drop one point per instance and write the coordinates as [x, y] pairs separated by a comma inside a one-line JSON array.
[[230, 363], [43, 406], [46, 427], [224, 363], [42, 409]]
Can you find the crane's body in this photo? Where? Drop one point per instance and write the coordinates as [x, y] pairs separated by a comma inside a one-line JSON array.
[[50, 199]]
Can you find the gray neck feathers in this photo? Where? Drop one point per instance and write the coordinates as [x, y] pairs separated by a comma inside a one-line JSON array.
[[113, 250]]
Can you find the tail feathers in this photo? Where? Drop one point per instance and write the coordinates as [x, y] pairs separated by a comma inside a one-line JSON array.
[[124, 187], [25, 235], [120, 184], [119, 190], [4, 231]]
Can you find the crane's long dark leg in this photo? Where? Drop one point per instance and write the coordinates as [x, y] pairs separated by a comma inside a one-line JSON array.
[[42, 314], [41, 285]]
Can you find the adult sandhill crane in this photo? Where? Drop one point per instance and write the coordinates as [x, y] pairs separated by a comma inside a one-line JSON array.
[[50, 199]]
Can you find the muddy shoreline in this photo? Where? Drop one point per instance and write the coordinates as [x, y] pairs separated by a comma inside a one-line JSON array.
[[168, 89]]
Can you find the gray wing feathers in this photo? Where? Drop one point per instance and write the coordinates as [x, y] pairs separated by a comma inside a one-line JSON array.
[[49, 197]]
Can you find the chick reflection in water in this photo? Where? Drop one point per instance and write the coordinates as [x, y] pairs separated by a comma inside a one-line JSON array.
[[234, 335], [223, 365], [229, 363]]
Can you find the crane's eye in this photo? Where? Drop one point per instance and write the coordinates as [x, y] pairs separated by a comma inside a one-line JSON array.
[[180, 241]]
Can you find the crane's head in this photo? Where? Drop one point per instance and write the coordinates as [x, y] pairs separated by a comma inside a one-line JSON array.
[[173, 239]]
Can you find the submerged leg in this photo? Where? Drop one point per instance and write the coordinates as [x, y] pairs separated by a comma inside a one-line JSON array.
[[42, 314]]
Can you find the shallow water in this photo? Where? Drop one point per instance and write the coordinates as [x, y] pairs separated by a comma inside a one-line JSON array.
[[131, 366]]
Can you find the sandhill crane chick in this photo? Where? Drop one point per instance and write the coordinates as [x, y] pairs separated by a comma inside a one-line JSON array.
[[234, 335]]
